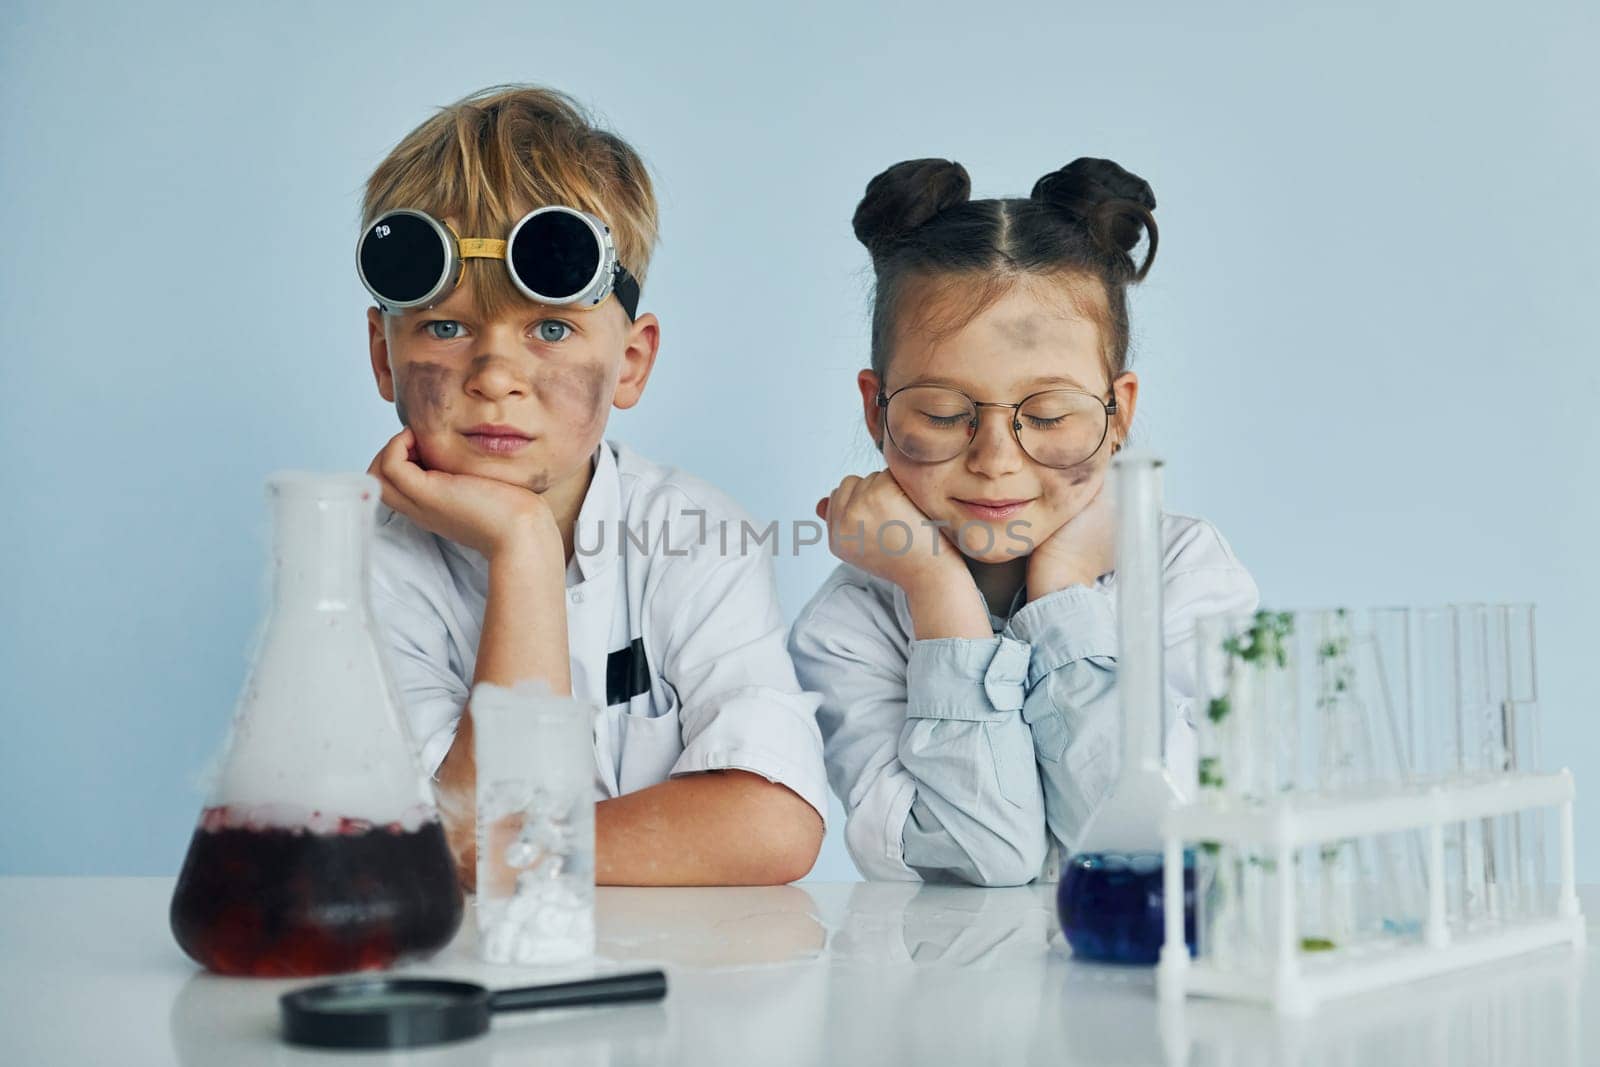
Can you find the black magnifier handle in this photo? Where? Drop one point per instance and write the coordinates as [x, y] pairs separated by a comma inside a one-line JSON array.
[[612, 989]]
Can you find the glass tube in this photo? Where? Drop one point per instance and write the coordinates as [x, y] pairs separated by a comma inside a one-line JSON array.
[[1382, 645], [1218, 933], [1521, 711], [1437, 742], [1476, 750]]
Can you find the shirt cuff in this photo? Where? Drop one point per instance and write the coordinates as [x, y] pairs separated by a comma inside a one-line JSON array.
[[1069, 624], [976, 679], [435, 748], [764, 733]]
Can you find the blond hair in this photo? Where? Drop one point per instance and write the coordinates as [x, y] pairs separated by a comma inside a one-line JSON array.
[[502, 151]]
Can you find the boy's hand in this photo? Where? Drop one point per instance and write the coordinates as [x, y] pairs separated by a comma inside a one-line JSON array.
[[480, 513], [1077, 553], [863, 516]]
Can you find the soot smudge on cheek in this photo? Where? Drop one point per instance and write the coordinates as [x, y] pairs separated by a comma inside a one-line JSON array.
[[1080, 475], [1070, 489], [577, 390], [424, 394]]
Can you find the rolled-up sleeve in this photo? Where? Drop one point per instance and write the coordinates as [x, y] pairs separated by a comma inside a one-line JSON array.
[[740, 706], [416, 645], [926, 745], [1072, 706]]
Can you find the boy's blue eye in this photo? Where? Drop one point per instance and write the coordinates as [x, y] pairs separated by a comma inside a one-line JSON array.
[[452, 332], [553, 330]]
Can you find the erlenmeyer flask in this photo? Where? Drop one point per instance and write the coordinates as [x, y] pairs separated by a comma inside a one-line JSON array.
[[320, 849]]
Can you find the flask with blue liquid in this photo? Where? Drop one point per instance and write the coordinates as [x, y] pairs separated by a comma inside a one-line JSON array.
[[1110, 896]]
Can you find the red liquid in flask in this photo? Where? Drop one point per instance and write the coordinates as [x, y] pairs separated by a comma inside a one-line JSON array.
[[276, 902]]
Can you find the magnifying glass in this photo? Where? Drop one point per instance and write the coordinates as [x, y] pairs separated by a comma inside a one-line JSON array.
[[406, 1012]]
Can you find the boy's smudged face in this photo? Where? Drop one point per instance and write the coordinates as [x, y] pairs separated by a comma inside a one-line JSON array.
[[1030, 339], [521, 399]]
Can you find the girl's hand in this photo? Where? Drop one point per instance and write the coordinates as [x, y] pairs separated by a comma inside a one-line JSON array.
[[1077, 553], [479, 513], [868, 519]]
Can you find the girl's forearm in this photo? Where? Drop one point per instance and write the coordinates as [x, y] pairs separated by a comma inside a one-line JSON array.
[[952, 608]]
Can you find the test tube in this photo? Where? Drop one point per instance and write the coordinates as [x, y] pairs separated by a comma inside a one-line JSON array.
[[1522, 683], [1218, 928], [1477, 729], [1383, 673], [1243, 672], [1521, 710], [1437, 741], [1272, 670], [1502, 833]]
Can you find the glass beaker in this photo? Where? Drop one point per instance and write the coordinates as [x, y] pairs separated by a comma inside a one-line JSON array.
[[535, 761], [319, 849]]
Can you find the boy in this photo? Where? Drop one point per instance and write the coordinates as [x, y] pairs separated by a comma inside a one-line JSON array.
[[504, 241]]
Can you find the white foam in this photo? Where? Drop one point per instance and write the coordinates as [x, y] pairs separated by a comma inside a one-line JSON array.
[[317, 732]]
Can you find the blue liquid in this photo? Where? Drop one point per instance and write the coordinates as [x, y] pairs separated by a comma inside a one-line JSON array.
[[1110, 905]]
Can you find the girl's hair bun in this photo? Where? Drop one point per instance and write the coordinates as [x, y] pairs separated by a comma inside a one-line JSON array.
[[1114, 203], [904, 197], [1085, 182]]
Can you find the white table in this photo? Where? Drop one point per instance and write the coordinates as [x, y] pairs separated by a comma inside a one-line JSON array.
[[818, 973]]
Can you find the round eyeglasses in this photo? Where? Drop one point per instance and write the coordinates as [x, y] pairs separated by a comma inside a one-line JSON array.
[[1057, 427]]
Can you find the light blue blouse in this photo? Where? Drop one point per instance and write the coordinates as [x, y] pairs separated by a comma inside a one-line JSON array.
[[980, 760]]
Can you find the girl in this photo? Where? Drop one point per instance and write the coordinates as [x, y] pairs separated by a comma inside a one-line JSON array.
[[965, 648]]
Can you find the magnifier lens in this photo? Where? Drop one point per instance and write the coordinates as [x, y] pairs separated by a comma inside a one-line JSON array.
[[388, 1013], [386, 1000], [403, 258], [555, 254]]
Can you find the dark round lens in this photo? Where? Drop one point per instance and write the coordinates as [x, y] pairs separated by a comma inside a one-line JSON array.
[[403, 258], [555, 255]]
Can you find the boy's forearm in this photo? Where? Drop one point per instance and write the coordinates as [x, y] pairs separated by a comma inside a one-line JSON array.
[[714, 828], [525, 622], [524, 637]]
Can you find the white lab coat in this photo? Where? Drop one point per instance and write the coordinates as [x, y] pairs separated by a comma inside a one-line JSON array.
[[680, 642]]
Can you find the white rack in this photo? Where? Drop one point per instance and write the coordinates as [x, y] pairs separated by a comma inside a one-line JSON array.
[[1295, 983]]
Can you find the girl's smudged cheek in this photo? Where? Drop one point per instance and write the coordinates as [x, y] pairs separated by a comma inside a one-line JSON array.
[[424, 395], [1070, 488], [1080, 474]]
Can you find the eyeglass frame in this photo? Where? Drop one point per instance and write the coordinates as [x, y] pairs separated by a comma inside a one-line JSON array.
[[1016, 423]]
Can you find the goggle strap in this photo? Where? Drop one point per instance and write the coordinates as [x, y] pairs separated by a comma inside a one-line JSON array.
[[626, 290], [481, 248]]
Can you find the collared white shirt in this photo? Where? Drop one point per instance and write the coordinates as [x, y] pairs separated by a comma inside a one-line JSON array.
[[680, 641]]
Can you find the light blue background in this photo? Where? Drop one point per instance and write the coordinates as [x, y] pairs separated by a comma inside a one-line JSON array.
[[1368, 344]]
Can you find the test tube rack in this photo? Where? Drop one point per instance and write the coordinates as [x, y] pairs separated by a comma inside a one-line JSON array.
[[1295, 982]]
